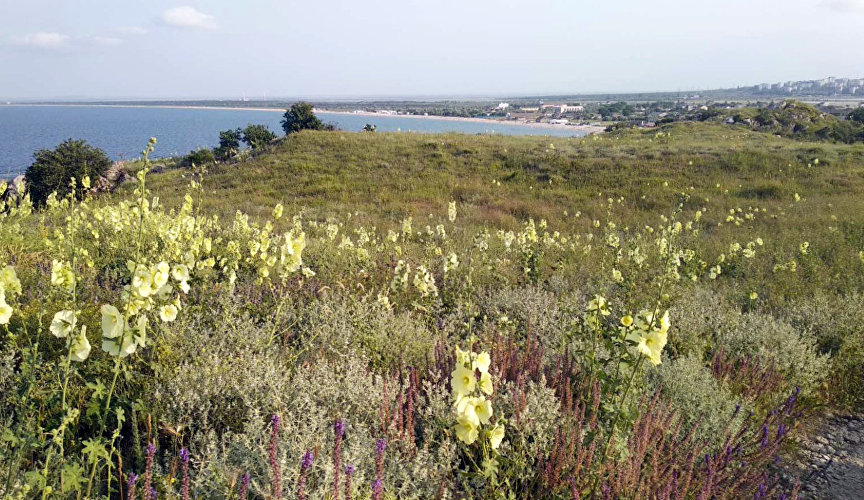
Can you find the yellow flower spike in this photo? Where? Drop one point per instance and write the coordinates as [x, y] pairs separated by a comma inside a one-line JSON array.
[[463, 381]]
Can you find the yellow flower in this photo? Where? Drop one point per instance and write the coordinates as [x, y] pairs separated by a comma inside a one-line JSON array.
[[160, 277], [754, 295], [180, 273], [485, 383], [482, 362], [5, 310], [496, 435], [466, 431], [9, 280], [62, 275], [462, 357], [121, 347], [451, 211], [627, 321], [80, 348], [63, 323], [664, 326], [168, 313], [651, 345], [482, 408], [277, 211], [598, 304], [142, 281], [112, 322], [463, 381]]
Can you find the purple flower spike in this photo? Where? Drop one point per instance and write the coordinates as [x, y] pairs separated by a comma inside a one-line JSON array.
[[380, 446], [339, 428], [133, 478], [377, 488], [349, 470], [307, 460], [184, 454]]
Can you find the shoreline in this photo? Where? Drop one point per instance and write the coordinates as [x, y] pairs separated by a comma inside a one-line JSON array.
[[587, 129]]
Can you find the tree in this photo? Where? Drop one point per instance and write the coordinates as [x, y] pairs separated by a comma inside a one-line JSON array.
[[370, 128], [52, 169], [229, 144], [300, 117], [857, 115], [258, 136]]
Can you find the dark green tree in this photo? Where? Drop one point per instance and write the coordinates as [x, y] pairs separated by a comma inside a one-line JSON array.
[[258, 136], [300, 117], [370, 128], [857, 115], [229, 144], [52, 169]]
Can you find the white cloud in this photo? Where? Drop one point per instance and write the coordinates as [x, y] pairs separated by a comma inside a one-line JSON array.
[[188, 17], [130, 30], [845, 5], [44, 40], [104, 40]]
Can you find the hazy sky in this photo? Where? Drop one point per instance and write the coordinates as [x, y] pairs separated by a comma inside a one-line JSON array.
[[323, 48]]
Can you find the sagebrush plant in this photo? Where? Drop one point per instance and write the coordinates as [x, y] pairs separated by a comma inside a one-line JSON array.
[[150, 346]]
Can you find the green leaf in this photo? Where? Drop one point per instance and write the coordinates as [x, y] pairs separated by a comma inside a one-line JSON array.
[[72, 477], [95, 449]]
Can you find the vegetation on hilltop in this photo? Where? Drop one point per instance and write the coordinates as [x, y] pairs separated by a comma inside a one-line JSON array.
[[643, 314], [791, 119]]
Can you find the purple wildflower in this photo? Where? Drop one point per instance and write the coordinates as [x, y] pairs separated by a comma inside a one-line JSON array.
[[148, 468], [184, 458], [349, 473], [130, 483], [380, 446], [377, 489], [305, 465]]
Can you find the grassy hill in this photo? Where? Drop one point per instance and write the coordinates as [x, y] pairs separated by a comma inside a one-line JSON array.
[[452, 316], [391, 175]]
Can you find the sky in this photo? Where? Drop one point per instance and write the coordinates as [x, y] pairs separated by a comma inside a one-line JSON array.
[[60, 49]]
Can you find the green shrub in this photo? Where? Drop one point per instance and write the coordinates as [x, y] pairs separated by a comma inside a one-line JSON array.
[[699, 399], [53, 169], [199, 157]]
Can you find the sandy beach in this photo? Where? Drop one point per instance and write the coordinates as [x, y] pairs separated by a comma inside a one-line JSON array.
[[591, 129], [588, 129]]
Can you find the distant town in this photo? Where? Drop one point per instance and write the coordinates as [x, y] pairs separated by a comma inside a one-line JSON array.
[[831, 95]]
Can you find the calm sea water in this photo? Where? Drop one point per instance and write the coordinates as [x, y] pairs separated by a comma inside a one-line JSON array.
[[123, 132]]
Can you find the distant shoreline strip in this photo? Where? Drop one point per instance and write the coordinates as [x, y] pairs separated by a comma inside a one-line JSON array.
[[588, 129]]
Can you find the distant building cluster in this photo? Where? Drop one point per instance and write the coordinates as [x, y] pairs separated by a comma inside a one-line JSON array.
[[830, 86]]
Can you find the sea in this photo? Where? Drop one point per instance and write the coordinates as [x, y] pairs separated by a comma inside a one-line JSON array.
[[122, 132]]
